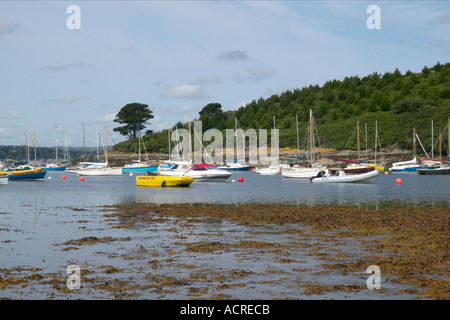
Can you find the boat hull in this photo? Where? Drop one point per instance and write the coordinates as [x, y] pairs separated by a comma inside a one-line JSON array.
[[407, 168], [209, 175], [362, 177], [163, 181], [100, 172], [243, 168], [55, 168], [301, 174], [140, 169], [434, 171], [354, 170], [4, 180], [30, 174], [268, 171]]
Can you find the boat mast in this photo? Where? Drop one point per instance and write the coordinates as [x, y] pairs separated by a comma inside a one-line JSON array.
[[414, 139], [366, 139], [98, 142], [432, 147], [275, 140], [106, 144], [56, 135], [168, 131], [84, 146], [28, 147], [190, 142], [376, 132], [440, 144], [310, 136], [448, 130], [35, 164], [359, 153], [296, 120], [139, 145]]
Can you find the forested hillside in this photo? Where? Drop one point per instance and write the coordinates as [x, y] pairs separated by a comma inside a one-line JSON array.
[[397, 102]]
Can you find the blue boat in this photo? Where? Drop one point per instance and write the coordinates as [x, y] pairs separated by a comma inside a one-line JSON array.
[[54, 167], [407, 166], [139, 168], [27, 174]]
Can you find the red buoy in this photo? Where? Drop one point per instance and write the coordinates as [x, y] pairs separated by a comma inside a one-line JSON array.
[[241, 179], [63, 177], [81, 178], [398, 180]]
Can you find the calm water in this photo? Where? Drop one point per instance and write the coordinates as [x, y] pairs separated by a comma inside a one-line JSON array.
[[383, 191], [37, 218]]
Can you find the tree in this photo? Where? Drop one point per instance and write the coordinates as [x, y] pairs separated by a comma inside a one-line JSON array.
[[212, 116], [133, 116]]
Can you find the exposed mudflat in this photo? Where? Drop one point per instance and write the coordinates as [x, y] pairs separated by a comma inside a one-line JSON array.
[[203, 251]]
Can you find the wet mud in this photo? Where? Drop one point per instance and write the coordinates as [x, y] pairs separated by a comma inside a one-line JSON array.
[[203, 251]]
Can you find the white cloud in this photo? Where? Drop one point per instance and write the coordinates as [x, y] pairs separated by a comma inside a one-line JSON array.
[[104, 118], [186, 91]]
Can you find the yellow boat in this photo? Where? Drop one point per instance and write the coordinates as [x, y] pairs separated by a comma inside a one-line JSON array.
[[163, 181], [377, 167]]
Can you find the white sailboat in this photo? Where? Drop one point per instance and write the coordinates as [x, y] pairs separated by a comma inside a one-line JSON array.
[[138, 165], [174, 167], [234, 165], [313, 168], [100, 169], [56, 166], [410, 165], [273, 169]]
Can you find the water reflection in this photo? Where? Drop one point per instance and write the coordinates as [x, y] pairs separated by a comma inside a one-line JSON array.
[[415, 190]]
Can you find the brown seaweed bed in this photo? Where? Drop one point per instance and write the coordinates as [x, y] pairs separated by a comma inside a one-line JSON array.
[[270, 251]]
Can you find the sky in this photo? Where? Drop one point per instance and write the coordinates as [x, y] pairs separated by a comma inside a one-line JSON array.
[[60, 68]]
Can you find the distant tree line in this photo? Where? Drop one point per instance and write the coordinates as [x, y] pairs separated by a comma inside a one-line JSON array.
[[397, 102]]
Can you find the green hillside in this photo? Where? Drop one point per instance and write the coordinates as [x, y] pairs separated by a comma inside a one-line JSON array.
[[397, 102]]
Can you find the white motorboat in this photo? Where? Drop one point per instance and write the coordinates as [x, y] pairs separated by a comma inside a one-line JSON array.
[[271, 170], [302, 172], [174, 168], [327, 177], [204, 172], [108, 171]]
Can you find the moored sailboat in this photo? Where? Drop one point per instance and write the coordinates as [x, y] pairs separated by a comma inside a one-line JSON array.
[[310, 168], [102, 169], [26, 172]]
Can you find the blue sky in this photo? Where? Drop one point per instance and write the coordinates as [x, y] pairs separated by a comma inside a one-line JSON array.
[[178, 56]]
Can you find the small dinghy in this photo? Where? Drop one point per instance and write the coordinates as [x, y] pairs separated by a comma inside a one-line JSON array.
[[340, 177]]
